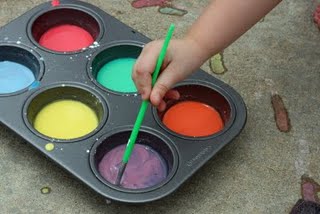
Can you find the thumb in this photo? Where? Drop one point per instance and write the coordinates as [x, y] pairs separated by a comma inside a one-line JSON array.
[[167, 79]]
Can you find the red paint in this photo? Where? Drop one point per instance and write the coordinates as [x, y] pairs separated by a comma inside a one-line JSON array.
[[316, 16], [148, 3], [193, 119], [280, 113], [66, 38], [55, 3]]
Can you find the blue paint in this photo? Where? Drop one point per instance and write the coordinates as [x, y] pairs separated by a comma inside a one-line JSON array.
[[34, 85], [14, 77]]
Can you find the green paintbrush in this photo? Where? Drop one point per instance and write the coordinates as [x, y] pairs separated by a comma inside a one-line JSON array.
[[143, 108]]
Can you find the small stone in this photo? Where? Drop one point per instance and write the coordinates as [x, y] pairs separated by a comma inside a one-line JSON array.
[[280, 113], [217, 64], [45, 190], [167, 10], [305, 207]]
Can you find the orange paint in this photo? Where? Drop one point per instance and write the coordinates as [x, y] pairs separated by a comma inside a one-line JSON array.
[[193, 119]]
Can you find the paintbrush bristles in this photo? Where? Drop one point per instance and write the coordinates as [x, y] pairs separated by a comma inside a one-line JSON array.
[[120, 173]]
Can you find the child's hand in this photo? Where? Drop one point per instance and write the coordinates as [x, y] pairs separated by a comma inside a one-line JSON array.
[[182, 58]]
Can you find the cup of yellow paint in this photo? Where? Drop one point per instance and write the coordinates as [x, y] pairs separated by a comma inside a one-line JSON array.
[[65, 113], [111, 67]]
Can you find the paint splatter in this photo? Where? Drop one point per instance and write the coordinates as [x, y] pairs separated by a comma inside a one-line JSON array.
[[217, 64], [49, 147], [55, 3], [280, 113], [45, 190], [310, 202], [169, 10], [310, 190], [149, 3], [34, 85], [316, 16]]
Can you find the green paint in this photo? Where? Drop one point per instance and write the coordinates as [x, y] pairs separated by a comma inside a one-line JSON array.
[[217, 64], [45, 190], [116, 75], [172, 11]]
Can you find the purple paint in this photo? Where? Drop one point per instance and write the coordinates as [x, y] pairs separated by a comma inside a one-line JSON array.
[[145, 168]]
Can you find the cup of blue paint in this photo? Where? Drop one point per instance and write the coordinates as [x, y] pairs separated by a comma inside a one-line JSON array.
[[20, 68]]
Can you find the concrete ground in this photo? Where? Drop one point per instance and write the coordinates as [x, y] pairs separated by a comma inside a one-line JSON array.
[[260, 172]]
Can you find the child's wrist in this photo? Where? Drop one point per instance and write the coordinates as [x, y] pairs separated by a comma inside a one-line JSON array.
[[202, 50]]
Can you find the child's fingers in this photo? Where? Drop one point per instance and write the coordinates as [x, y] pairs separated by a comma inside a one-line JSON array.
[[166, 80], [172, 94], [144, 68]]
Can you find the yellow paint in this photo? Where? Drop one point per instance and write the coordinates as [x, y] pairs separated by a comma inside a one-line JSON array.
[[217, 64], [45, 190], [66, 119], [49, 147]]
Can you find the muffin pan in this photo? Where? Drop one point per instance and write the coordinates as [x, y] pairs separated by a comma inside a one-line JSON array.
[[66, 95]]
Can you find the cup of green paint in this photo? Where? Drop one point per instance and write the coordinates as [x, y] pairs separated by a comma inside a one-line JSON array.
[[111, 68]]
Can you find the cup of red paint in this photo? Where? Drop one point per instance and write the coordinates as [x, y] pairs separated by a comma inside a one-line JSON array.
[[201, 112], [65, 29]]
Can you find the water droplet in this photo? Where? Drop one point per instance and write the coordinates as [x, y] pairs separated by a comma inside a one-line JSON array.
[[6, 38], [41, 58], [18, 42], [88, 151], [70, 57]]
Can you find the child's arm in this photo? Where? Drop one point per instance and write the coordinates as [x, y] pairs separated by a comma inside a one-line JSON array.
[[222, 22]]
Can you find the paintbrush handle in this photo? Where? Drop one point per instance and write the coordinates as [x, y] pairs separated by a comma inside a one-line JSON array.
[[135, 131], [145, 103]]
